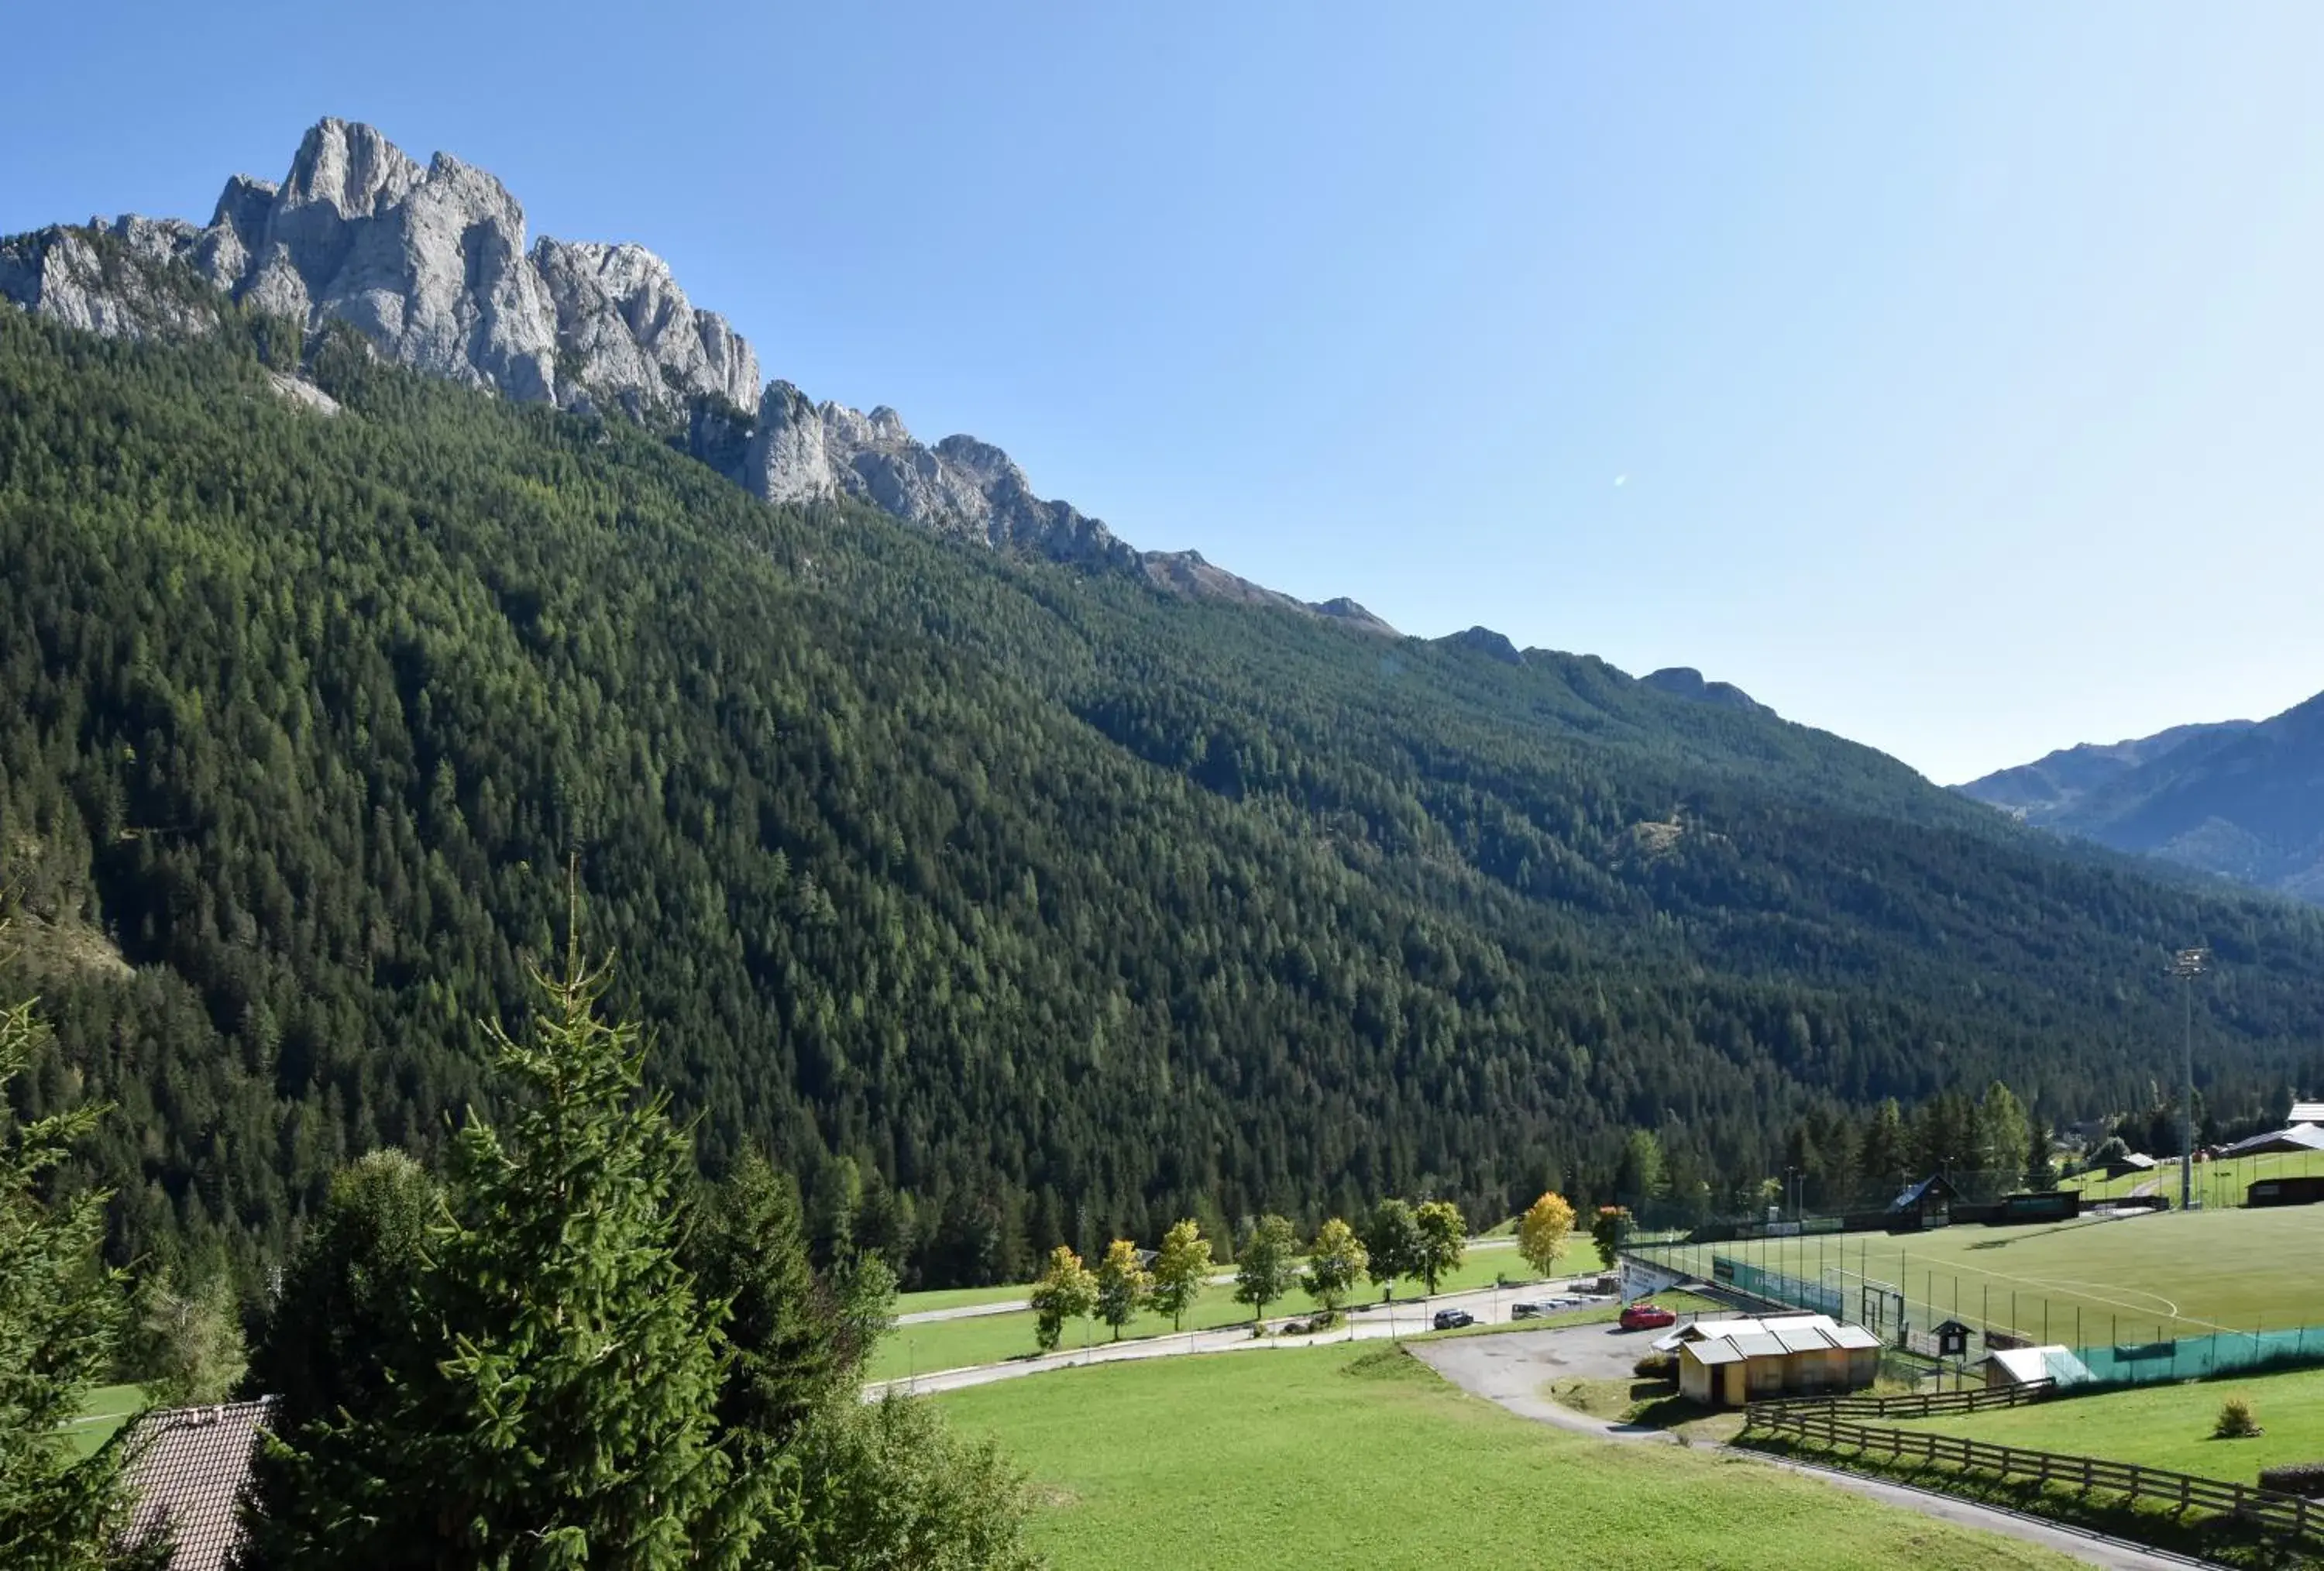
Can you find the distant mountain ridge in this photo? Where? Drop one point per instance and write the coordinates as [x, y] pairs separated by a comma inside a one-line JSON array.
[[1686, 682], [2050, 785], [429, 262], [2236, 798]]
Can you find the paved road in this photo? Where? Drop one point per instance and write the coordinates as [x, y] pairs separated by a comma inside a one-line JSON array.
[[1406, 1318], [1012, 1306], [1005, 1307], [1511, 1370]]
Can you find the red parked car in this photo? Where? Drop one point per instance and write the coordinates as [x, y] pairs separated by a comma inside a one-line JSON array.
[[1646, 1318]]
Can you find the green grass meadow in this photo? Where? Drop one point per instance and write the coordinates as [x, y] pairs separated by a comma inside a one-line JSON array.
[[2087, 1282], [937, 1344], [1335, 1457], [107, 1408], [2219, 1186], [2167, 1426]]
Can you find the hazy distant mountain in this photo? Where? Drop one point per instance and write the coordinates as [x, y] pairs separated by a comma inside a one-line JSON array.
[[2239, 799], [1686, 682], [2038, 791]]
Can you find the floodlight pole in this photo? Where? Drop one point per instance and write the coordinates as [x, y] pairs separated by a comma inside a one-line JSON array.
[[2187, 966]]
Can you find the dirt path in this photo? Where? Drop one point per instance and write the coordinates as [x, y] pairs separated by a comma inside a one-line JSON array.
[[1510, 1370]]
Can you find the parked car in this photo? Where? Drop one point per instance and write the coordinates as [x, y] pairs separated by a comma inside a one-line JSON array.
[[1454, 1319], [1646, 1318], [1528, 1311]]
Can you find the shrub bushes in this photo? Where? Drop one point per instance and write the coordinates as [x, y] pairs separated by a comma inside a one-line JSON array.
[[2302, 1478]]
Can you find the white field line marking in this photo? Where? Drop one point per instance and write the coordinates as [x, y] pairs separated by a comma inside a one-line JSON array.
[[2172, 1308]]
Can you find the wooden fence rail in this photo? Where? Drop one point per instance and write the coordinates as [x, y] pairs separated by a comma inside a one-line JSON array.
[[1915, 1405], [2286, 1513]]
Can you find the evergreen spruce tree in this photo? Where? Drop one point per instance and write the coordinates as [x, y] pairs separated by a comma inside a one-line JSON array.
[[1883, 1159], [60, 1315], [344, 1313], [749, 1250], [558, 1409]]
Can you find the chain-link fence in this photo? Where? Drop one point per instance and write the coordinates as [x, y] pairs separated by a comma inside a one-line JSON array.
[[1800, 1199], [2192, 1357], [1880, 1284]]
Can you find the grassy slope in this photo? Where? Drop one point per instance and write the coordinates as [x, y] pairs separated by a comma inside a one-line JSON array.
[[1332, 1458], [2219, 1186], [2165, 1426], [107, 1408], [990, 1338], [2178, 1274]]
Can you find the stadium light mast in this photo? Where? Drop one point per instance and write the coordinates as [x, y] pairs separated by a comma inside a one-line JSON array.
[[2187, 966]]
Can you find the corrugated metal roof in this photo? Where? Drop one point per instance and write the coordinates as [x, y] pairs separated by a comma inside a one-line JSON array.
[[1803, 1339], [2026, 1365], [1716, 1351], [2299, 1137], [1854, 1336], [1758, 1344], [2307, 1113]]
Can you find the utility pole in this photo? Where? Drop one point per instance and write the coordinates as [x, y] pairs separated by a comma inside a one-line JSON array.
[[2187, 966]]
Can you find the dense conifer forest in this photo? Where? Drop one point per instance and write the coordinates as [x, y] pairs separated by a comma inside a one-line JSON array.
[[1004, 904]]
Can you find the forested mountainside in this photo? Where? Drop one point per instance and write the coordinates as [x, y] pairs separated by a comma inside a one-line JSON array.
[[2242, 799], [1002, 900]]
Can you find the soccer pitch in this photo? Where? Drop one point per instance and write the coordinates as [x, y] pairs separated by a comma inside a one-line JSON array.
[[2087, 1282]]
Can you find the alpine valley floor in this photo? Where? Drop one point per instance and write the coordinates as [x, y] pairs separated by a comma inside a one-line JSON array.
[[1341, 1457]]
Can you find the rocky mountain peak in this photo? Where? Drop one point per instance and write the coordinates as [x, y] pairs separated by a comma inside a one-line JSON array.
[[350, 169], [1688, 683], [1484, 641], [431, 263]]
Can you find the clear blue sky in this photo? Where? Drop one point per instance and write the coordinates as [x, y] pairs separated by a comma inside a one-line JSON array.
[[1962, 360]]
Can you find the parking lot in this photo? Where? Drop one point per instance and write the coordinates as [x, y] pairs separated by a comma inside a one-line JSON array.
[[1511, 1368]]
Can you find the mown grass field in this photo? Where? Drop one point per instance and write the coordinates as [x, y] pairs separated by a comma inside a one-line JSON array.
[[2087, 1282], [2219, 1186], [107, 1408], [937, 1344], [2167, 1426], [1335, 1457]]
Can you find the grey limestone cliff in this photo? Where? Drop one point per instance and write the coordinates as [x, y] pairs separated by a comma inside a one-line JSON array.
[[429, 262], [798, 450]]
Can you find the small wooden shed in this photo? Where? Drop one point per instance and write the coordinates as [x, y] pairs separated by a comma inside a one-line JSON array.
[[1711, 1374], [1925, 1204], [1726, 1364]]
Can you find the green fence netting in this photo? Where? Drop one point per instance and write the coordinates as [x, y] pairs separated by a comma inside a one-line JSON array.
[[2190, 1357], [1777, 1287]]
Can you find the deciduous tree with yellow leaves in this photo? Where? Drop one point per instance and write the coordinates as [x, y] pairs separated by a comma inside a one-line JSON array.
[[1543, 1233], [1123, 1285]]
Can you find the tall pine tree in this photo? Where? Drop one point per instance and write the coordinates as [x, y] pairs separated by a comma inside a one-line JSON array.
[[558, 1409], [60, 1315]]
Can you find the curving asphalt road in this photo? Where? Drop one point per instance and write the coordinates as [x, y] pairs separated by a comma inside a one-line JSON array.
[[1218, 1279], [1405, 1317]]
